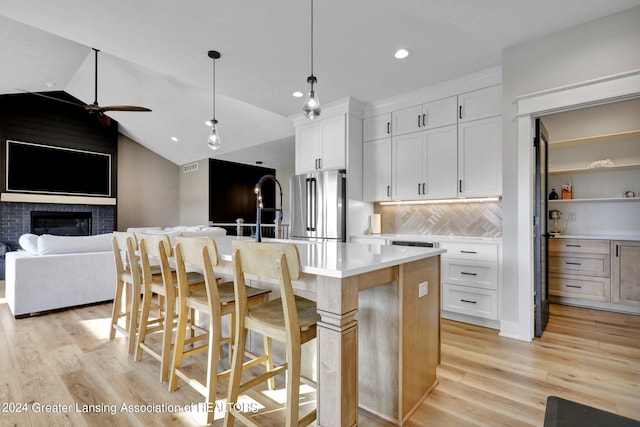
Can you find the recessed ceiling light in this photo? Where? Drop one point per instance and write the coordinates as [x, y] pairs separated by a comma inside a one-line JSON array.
[[49, 84], [174, 139], [402, 53], [208, 123], [298, 94]]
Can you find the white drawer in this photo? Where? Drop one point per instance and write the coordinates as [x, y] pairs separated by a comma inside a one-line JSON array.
[[471, 251], [471, 301], [470, 273]]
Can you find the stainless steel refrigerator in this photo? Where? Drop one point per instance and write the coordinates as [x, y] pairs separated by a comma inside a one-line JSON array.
[[318, 206]]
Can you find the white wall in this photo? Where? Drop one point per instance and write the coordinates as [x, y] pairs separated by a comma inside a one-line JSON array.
[[147, 187], [194, 195], [593, 50]]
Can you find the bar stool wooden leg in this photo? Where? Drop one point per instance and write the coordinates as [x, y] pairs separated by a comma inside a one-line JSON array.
[[117, 309], [134, 318]]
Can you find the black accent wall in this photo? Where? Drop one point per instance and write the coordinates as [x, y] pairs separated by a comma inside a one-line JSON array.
[[32, 118], [231, 193]]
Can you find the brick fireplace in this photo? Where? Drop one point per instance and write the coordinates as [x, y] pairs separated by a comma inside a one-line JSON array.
[[16, 218]]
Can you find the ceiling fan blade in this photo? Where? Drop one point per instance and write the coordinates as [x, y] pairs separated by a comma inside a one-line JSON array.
[[54, 98], [123, 108]]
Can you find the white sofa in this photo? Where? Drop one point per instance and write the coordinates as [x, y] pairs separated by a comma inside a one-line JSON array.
[[181, 230], [54, 272]]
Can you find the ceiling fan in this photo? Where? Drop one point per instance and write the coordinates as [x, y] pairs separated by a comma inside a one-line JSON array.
[[94, 108]]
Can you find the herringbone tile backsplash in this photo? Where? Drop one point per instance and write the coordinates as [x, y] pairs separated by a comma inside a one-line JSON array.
[[456, 219]]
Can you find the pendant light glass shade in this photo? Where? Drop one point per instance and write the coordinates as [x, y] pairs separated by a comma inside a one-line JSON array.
[[213, 141], [311, 107]]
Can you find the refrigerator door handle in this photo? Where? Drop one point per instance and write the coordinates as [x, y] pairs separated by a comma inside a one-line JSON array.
[[311, 204]]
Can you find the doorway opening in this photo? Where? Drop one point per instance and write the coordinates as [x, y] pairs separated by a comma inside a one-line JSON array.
[[541, 104]]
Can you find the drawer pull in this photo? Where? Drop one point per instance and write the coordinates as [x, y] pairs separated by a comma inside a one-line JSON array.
[[573, 263], [468, 252], [574, 286], [573, 246], [468, 274], [469, 301]]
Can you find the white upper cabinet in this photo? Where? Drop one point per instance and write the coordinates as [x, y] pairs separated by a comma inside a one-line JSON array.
[[447, 148], [426, 116], [377, 170], [480, 157], [408, 166], [376, 127], [480, 104], [425, 164], [441, 155], [321, 145]]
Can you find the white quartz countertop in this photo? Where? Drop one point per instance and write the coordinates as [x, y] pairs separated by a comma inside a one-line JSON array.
[[334, 259], [431, 238]]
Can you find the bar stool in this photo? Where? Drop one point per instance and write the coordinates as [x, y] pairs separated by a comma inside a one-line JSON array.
[[215, 300], [129, 281], [289, 319], [157, 248]]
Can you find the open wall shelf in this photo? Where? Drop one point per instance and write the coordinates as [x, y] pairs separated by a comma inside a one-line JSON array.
[[598, 200]]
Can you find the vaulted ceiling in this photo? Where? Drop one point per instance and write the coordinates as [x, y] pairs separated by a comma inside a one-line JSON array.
[[154, 54]]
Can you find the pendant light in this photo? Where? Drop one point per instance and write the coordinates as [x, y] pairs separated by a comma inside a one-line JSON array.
[[214, 139], [311, 107]]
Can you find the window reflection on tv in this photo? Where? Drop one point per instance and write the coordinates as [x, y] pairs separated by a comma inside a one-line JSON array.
[[37, 168]]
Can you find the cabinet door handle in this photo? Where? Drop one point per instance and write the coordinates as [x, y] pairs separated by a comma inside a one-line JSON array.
[[423, 119], [616, 251], [424, 190], [419, 120], [468, 274], [388, 127], [573, 246], [319, 163], [469, 301], [460, 186], [573, 263], [460, 111], [388, 191], [574, 286], [468, 252], [418, 188]]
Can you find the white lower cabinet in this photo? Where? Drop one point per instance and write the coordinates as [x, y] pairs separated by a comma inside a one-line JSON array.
[[470, 282], [470, 301]]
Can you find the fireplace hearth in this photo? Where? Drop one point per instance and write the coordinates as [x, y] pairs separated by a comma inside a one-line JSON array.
[[61, 223]]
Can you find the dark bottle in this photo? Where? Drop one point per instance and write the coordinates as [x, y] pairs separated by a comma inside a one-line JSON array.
[[553, 195]]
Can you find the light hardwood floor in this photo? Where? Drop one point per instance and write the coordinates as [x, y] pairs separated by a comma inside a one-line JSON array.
[[588, 356]]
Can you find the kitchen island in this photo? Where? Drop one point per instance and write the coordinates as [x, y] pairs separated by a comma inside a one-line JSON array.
[[379, 334]]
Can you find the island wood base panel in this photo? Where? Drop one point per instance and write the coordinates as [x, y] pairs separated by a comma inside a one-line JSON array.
[[379, 343]]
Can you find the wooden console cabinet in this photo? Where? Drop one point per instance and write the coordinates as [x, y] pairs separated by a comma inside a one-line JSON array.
[[580, 269], [596, 273]]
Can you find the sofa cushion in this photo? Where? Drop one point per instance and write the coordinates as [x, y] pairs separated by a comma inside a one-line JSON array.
[[205, 232], [29, 242], [140, 230], [50, 245]]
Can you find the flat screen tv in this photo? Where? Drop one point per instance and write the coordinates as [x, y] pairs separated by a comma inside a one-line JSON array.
[[46, 169]]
